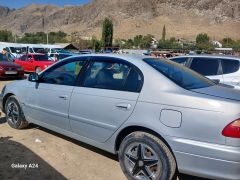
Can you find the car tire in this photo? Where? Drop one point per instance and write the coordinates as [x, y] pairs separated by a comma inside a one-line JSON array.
[[14, 114], [153, 161], [38, 70]]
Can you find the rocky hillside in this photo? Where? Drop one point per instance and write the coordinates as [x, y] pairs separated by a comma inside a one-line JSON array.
[[183, 18]]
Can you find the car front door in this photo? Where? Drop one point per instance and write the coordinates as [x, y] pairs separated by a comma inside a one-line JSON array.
[[48, 100], [31, 63], [209, 67], [106, 98], [22, 62]]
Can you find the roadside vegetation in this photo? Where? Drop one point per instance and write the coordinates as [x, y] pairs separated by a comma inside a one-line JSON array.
[[203, 41]]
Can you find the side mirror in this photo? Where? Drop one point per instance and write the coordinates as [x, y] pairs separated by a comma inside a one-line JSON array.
[[216, 81], [33, 77]]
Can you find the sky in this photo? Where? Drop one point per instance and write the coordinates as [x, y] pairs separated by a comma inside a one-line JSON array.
[[21, 3]]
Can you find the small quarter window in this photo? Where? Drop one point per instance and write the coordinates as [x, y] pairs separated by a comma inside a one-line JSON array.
[[230, 66]]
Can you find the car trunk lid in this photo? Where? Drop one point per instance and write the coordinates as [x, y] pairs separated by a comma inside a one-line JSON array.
[[220, 91]]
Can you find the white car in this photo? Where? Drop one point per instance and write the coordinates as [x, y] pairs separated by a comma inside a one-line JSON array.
[[221, 69]]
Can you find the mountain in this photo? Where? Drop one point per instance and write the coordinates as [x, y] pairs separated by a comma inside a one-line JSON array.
[[183, 18]]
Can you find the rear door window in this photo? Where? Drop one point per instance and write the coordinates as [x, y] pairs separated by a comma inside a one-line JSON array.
[[205, 66], [112, 75], [230, 66]]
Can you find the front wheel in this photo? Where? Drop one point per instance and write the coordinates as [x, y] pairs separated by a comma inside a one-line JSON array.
[[144, 156], [14, 114]]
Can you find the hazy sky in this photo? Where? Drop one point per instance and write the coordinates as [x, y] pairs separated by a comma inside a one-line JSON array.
[[22, 3]]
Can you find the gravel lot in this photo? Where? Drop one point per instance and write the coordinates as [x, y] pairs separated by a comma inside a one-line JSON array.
[[48, 155]]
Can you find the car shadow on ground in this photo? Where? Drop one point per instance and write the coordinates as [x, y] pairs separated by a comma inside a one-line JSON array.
[[3, 120], [104, 153], [19, 162]]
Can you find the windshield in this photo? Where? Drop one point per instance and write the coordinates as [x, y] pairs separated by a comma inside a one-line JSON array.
[[38, 50], [179, 74], [16, 50], [41, 58]]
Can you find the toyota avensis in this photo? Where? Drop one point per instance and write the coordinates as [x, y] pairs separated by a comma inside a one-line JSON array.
[[159, 116]]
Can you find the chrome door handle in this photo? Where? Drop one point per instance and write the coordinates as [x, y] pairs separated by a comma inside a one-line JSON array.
[[64, 97], [124, 106]]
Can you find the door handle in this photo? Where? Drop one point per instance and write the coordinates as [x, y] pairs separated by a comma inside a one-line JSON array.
[[123, 106], [64, 97]]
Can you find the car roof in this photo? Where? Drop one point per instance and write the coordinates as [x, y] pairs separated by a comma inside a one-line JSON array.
[[135, 59], [209, 56]]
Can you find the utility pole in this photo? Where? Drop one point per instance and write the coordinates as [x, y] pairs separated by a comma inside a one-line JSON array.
[[47, 37]]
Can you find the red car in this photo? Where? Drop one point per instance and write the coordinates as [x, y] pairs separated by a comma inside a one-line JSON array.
[[34, 62], [10, 69]]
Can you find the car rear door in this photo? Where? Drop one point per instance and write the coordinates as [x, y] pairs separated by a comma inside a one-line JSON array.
[[207, 66], [105, 98], [48, 101]]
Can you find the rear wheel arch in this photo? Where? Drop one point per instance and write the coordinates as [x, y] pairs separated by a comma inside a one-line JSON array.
[[5, 100], [130, 129]]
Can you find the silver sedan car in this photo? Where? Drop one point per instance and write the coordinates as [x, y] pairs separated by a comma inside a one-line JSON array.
[[157, 115]]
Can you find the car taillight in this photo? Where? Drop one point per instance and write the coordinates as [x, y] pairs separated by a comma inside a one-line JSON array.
[[232, 130]]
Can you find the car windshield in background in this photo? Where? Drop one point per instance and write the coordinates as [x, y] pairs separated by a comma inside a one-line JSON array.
[[179, 74], [39, 50], [16, 50], [41, 57]]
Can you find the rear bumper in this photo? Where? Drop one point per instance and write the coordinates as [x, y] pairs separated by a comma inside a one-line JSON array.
[[206, 160], [19, 74]]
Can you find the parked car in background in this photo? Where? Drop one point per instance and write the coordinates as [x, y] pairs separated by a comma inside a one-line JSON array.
[[61, 56], [10, 69], [85, 52], [34, 62], [157, 115], [222, 69]]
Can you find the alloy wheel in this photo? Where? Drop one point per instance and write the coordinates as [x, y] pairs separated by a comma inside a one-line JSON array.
[[12, 112], [142, 162]]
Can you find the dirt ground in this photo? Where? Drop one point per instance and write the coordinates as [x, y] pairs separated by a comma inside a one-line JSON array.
[[37, 153]]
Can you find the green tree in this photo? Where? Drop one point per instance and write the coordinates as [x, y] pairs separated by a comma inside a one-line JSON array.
[[203, 42], [107, 33], [202, 38], [6, 36], [137, 40], [96, 44], [164, 33], [41, 37]]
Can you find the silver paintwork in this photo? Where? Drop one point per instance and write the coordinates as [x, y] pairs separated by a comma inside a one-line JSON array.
[[92, 116]]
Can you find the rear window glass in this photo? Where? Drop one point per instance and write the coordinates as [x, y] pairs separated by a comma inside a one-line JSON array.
[[179, 74], [230, 66], [205, 66]]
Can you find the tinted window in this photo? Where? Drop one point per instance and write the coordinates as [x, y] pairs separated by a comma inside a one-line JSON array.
[[113, 76], [40, 57], [230, 66], [23, 58], [179, 74], [106, 75], [205, 66], [63, 75], [180, 60]]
